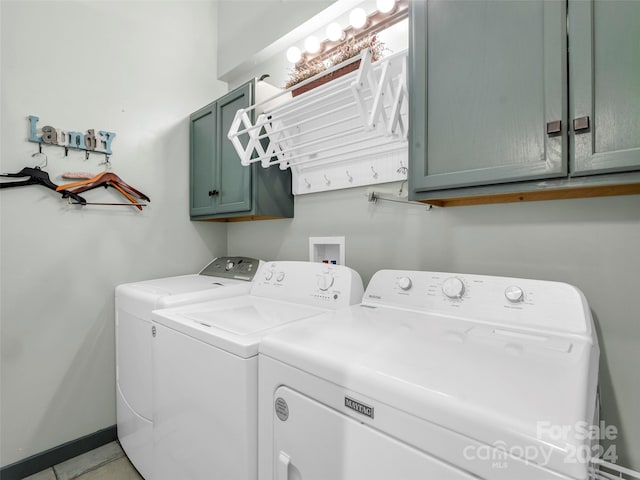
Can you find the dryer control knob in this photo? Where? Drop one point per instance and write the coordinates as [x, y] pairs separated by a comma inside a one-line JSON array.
[[280, 277], [268, 275], [229, 265], [405, 283], [325, 281], [514, 294], [453, 287]]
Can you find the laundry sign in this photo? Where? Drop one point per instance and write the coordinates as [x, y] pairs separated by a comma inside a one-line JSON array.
[[88, 140]]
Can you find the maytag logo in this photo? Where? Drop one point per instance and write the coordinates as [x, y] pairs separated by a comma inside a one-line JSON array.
[[375, 296], [358, 407]]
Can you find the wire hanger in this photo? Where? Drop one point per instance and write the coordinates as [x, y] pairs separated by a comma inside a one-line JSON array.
[[45, 161], [37, 176]]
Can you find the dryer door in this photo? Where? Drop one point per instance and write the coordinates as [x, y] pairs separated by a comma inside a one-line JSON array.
[[314, 442]]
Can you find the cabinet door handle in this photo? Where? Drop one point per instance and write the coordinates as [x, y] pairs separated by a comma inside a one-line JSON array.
[[581, 124], [213, 193], [554, 127]]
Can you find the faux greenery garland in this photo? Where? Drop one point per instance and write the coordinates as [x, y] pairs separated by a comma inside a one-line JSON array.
[[348, 49]]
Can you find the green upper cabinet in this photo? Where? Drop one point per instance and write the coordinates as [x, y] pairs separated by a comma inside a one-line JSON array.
[[221, 189], [508, 103], [604, 56], [488, 90]]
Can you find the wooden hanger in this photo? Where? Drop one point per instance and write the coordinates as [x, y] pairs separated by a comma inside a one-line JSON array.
[[107, 179], [81, 182]]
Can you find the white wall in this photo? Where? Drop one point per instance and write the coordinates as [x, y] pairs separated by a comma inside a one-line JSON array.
[[250, 25], [136, 68]]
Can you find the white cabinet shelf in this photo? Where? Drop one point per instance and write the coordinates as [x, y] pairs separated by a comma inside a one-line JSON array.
[[348, 132]]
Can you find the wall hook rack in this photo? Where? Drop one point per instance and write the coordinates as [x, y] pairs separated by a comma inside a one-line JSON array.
[[91, 140]]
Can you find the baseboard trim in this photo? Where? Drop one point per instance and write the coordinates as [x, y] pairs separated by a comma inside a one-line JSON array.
[[56, 455]]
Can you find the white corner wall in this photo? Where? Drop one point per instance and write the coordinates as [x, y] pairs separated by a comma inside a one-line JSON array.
[[136, 68]]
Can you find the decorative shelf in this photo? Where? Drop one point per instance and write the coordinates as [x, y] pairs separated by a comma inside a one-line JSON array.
[[349, 132]]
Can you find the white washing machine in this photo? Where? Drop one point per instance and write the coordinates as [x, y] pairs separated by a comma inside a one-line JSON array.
[[433, 376], [206, 367], [223, 277]]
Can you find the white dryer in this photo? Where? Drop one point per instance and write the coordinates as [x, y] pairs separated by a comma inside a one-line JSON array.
[[206, 367], [434, 375], [223, 277]]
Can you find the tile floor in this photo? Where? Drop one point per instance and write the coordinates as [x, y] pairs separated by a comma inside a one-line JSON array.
[[104, 463]]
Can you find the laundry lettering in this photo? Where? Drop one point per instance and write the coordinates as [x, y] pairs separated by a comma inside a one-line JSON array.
[[69, 139]]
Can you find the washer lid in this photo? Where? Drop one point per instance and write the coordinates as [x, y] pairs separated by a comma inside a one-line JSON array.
[[235, 324], [176, 285], [499, 386], [142, 297]]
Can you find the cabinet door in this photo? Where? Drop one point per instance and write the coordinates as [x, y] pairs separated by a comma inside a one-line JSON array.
[[604, 61], [235, 180], [486, 76], [202, 171]]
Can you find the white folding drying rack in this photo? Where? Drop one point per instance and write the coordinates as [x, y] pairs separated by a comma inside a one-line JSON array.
[[348, 132], [601, 470]]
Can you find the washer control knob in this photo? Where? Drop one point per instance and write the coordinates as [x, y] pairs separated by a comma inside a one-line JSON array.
[[325, 281], [268, 275], [280, 277], [453, 287], [229, 265], [405, 283], [514, 294]]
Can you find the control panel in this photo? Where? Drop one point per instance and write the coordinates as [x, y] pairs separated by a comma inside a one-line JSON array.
[[320, 284], [239, 268], [504, 301]]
